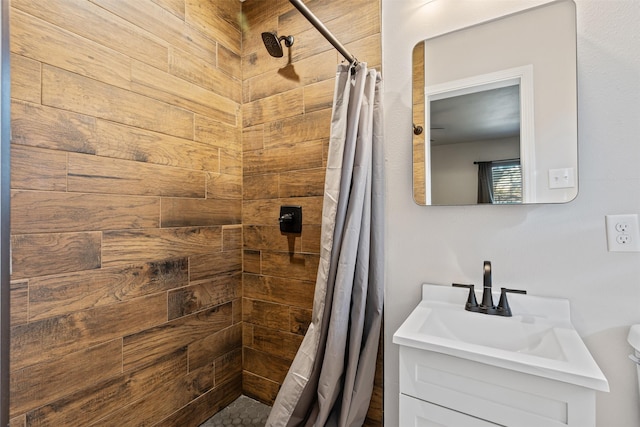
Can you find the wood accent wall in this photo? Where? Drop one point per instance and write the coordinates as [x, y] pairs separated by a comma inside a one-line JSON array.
[[419, 141], [286, 115], [126, 211]]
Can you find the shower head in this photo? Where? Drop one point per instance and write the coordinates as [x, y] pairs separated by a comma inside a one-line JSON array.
[[273, 43]]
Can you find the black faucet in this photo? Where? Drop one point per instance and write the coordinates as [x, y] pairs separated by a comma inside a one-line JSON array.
[[487, 307], [487, 298]]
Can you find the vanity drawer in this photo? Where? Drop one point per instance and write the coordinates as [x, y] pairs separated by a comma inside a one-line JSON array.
[[417, 413], [503, 396]]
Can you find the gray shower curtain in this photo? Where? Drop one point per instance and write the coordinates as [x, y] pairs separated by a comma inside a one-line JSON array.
[[331, 378]]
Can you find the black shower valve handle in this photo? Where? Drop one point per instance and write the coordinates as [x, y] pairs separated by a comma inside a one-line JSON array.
[[288, 217]]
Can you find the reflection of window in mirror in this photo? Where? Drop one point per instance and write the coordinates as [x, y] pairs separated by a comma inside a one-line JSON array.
[[500, 182]]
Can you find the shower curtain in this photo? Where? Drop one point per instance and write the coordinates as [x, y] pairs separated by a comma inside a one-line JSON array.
[[331, 378]]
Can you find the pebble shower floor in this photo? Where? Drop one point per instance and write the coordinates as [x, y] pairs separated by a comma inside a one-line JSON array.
[[243, 411]]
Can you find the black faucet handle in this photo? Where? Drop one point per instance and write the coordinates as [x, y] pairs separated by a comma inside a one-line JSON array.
[[503, 308], [471, 303]]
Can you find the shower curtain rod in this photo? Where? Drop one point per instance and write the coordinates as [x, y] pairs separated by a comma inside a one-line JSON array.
[[324, 31]]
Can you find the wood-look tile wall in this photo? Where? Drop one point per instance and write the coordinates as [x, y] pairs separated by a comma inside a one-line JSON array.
[[286, 117], [419, 178], [126, 211]]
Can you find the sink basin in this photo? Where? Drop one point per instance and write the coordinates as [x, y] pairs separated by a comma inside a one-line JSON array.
[[521, 334], [539, 339]]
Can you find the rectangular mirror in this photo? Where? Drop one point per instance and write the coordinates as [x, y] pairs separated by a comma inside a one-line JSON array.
[[495, 111]]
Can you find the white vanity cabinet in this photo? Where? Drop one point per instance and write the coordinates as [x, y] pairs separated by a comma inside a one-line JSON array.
[[442, 390], [462, 369]]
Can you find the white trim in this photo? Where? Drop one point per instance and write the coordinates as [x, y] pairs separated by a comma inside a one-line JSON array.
[[522, 76]]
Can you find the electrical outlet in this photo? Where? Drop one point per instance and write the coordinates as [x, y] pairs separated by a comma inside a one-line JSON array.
[[623, 233]]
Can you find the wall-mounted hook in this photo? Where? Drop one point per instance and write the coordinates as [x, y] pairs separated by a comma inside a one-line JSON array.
[[417, 130]]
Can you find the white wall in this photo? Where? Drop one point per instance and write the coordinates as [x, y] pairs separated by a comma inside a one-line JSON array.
[[555, 250], [454, 177]]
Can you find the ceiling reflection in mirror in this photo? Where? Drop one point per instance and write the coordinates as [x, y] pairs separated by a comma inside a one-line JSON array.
[[497, 102]]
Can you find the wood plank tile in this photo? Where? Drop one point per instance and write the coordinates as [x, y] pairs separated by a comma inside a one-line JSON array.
[[224, 186], [38, 169], [236, 306], [19, 296], [204, 351], [263, 237], [259, 388], [296, 293], [216, 133], [247, 334], [151, 344], [300, 319], [318, 96], [48, 339], [39, 40], [295, 266], [44, 382], [279, 343], [46, 127], [163, 24], [261, 186], [309, 70], [368, 49], [202, 73], [64, 294], [267, 212], [251, 262], [89, 404], [69, 91], [130, 143], [54, 212], [94, 174], [374, 413], [163, 401], [231, 237], [307, 127], [156, 84], [193, 298], [253, 138], [132, 246], [207, 266], [179, 212], [42, 254], [25, 78], [231, 162], [228, 367], [269, 315], [19, 421], [217, 20], [302, 183], [265, 365], [99, 25], [276, 107], [202, 408], [311, 239], [229, 62], [174, 6], [308, 155]]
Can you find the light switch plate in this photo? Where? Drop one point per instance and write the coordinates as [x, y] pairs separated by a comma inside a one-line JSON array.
[[562, 178]]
